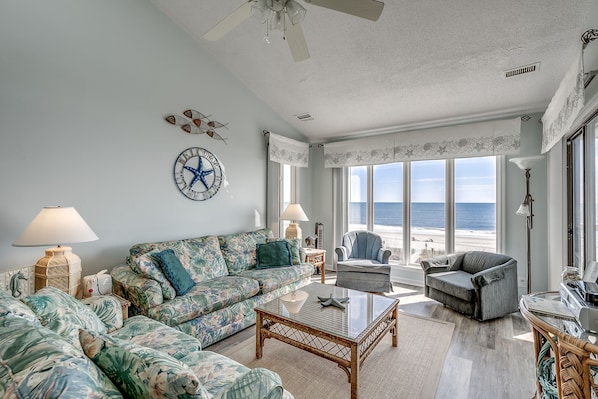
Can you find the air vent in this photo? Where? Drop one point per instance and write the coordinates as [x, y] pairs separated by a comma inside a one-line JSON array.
[[306, 116], [522, 70]]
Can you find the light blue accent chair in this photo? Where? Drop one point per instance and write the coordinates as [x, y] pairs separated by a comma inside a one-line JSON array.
[[362, 262]]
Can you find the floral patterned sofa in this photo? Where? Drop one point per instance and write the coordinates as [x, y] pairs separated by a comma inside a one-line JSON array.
[[54, 346], [227, 284]]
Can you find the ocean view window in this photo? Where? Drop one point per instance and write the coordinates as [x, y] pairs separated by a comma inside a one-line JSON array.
[[426, 208]]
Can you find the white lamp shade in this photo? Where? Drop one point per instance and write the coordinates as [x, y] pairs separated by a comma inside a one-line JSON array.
[[294, 212], [523, 210], [55, 225], [524, 163]]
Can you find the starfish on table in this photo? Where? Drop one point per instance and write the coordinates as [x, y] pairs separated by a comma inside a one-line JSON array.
[[336, 302], [199, 174]]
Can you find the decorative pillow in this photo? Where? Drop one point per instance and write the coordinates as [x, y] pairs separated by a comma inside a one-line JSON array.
[[174, 271], [294, 245], [238, 249], [145, 266], [108, 309], [273, 254], [63, 314], [141, 372]]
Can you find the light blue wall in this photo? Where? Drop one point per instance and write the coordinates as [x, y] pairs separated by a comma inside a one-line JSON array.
[[84, 87]]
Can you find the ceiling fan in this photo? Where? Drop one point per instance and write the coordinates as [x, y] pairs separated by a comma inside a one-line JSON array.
[[286, 15]]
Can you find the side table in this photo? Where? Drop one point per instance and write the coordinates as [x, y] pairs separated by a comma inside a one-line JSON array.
[[317, 257]]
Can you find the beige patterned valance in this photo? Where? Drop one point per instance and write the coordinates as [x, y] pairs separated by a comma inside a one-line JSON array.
[[461, 141], [565, 105], [288, 151]]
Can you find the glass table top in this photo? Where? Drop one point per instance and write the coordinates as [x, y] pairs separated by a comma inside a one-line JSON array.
[[360, 311]]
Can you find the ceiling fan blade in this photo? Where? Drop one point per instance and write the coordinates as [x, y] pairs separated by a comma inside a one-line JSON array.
[[296, 40], [230, 22], [368, 9]]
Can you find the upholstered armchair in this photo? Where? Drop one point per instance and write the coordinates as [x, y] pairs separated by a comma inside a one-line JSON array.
[[362, 263], [481, 285]]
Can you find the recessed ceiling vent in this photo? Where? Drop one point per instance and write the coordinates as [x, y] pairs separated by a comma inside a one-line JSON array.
[[522, 70], [306, 116]]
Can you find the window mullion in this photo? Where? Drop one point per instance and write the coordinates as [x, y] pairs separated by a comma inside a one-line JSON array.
[[450, 206], [369, 219], [407, 212]]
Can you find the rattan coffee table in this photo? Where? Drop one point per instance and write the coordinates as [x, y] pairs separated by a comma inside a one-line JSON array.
[[346, 337]]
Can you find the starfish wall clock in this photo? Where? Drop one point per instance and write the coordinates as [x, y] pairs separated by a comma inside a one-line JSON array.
[[198, 174]]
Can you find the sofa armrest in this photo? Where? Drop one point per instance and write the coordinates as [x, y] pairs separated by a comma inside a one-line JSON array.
[[442, 263], [384, 256], [144, 293], [341, 253], [494, 274], [258, 383], [108, 309]]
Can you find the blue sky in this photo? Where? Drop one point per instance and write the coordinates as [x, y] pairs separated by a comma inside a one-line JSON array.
[[475, 181]]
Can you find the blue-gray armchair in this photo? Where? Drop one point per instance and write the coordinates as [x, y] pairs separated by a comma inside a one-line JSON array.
[[481, 285], [362, 263]]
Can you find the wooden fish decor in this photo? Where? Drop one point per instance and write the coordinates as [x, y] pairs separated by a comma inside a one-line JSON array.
[[194, 122]]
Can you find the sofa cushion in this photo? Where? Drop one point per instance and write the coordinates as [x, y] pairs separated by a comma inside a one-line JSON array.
[[204, 298], [141, 372], [38, 363], [10, 305], [200, 256], [273, 254], [238, 249], [147, 266], [108, 309], [227, 379], [174, 271], [273, 279], [206, 261], [455, 283], [144, 331], [63, 314], [476, 261], [295, 246]]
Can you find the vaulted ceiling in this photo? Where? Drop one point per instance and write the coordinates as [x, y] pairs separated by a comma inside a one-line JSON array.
[[424, 63]]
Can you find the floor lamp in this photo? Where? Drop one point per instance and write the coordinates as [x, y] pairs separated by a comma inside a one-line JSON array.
[[526, 209]]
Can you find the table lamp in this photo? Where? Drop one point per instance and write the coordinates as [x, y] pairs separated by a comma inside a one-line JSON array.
[[294, 213], [60, 268]]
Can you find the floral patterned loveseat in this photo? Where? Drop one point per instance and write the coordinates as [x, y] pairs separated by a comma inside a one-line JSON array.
[[227, 284], [54, 346]]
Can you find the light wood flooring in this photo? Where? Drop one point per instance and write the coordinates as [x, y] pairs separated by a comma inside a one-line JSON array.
[[492, 359]]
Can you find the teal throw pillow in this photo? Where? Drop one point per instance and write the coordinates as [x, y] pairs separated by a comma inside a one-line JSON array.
[[294, 245], [273, 254], [174, 271]]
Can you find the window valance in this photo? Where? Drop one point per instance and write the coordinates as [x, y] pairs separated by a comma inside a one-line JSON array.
[[565, 105], [288, 151], [461, 141]]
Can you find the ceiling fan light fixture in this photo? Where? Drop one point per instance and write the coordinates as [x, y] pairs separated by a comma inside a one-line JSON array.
[[295, 11], [260, 10], [277, 20]]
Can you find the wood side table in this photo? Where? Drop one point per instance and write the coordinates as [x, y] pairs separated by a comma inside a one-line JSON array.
[[124, 304], [317, 257]]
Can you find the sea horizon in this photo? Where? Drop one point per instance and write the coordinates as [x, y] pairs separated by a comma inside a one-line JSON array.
[[469, 216]]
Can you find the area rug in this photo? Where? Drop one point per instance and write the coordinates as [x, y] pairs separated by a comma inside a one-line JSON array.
[[411, 370]]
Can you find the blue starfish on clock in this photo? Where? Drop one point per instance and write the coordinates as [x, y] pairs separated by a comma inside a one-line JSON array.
[[199, 174]]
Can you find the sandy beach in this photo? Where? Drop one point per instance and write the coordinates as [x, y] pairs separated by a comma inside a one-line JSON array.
[[430, 242]]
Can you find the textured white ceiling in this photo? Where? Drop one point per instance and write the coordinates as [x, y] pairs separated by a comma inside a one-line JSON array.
[[423, 63]]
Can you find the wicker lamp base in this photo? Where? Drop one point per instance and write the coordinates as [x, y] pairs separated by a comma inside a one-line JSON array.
[[293, 231], [60, 268]]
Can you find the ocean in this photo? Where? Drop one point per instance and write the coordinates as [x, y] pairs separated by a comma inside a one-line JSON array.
[[469, 216]]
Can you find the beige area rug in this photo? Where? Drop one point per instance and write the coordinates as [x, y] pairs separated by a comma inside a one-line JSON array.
[[411, 370]]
